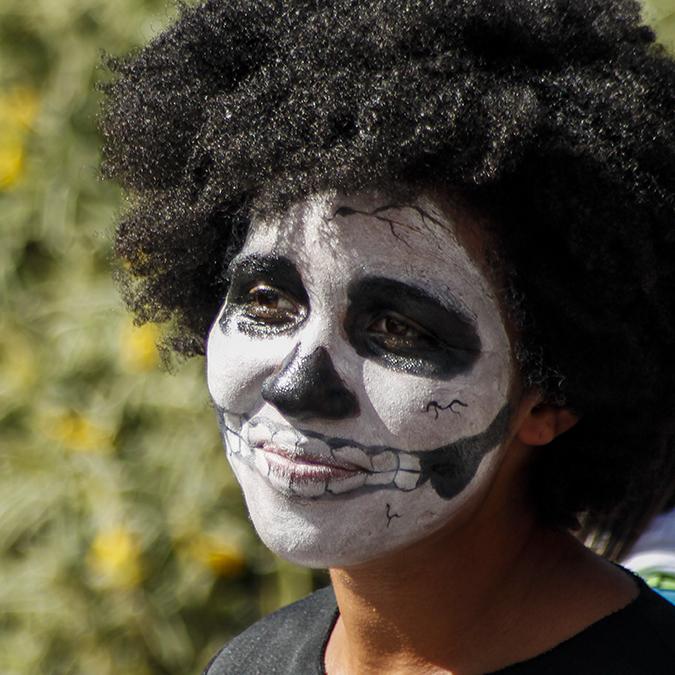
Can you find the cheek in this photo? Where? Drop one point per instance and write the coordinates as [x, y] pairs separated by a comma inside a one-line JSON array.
[[237, 364], [425, 413]]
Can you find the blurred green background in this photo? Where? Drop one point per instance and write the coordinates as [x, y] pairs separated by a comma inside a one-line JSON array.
[[124, 544]]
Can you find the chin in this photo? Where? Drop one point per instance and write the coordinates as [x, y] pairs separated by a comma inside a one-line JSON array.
[[348, 530]]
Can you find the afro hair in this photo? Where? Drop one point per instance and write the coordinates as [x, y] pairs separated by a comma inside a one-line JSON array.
[[552, 119]]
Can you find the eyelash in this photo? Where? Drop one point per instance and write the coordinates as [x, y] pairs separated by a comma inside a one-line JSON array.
[[390, 337], [385, 329], [265, 314]]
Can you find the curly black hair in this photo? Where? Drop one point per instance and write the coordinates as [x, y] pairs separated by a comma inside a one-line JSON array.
[[552, 119]]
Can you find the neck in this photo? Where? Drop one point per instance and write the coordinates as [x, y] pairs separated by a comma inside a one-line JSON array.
[[430, 607]]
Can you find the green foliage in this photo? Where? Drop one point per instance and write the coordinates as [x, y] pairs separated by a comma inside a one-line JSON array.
[[124, 544]]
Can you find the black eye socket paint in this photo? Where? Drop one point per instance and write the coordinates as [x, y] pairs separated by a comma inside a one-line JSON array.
[[275, 272], [452, 344]]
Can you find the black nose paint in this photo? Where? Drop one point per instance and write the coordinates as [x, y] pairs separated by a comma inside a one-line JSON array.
[[309, 386]]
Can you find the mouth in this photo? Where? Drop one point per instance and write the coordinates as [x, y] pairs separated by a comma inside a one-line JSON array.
[[308, 464], [309, 467], [307, 475]]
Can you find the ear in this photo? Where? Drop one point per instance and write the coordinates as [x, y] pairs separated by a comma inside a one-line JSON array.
[[543, 422]]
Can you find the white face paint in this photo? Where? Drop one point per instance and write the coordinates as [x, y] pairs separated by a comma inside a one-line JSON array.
[[361, 370]]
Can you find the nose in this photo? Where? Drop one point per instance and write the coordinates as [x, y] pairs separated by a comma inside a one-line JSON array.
[[309, 386]]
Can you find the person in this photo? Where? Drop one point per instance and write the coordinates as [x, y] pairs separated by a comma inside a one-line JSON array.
[[428, 250]]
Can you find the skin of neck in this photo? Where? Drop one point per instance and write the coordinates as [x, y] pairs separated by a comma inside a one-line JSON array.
[[494, 589]]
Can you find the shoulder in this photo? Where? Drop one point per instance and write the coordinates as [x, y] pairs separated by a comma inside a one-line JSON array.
[[646, 625], [290, 640], [638, 639], [652, 625]]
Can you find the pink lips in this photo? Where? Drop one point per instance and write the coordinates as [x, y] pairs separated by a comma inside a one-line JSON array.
[[304, 467]]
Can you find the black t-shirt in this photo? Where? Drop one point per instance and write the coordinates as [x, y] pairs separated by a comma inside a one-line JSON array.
[[636, 640]]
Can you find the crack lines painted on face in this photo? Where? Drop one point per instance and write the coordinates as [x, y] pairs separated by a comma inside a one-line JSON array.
[[390, 516], [436, 406], [426, 218], [346, 211]]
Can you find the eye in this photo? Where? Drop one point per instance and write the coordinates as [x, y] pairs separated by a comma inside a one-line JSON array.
[[393, 331], [269, 305]]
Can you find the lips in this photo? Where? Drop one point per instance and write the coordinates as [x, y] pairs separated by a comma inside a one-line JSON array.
[[311, 467], [307, 476], [309, 463]]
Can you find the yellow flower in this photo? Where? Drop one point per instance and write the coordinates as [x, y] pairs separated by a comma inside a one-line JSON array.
[[77, 432], [18, 109], [138, 347], [12, 158], [115, 559], [223, 557]]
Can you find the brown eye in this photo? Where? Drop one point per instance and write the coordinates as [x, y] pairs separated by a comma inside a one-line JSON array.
[[389, 325], [395, 332], [268, 304], [270, 298]]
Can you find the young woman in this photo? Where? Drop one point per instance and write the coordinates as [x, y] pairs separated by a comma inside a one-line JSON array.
[[428, 249]]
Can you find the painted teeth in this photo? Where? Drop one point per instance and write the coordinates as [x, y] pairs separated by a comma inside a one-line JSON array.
[[338, 486], [400, 470], [384, 461], [381, 478], [352, 456], [261, 463], [308, 488], [406, 480], [316, 446], [257, 434], [408, 462], [285, 438], [231, 442]]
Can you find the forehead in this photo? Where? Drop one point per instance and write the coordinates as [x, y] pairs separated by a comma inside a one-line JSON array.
[[417, 240]]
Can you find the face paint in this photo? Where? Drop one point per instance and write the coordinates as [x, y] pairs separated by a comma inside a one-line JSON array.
[[361, 373]]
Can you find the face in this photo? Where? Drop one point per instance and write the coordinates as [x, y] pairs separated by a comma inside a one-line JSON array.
[[361, 371]]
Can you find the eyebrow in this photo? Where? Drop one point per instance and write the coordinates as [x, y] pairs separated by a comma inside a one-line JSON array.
[[278, 271], [411, 301]]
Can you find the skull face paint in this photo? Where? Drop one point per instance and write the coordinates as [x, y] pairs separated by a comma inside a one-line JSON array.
[[361, 371]]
